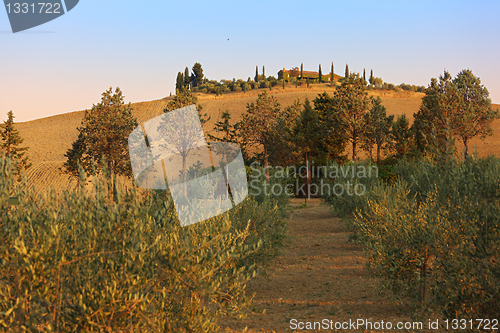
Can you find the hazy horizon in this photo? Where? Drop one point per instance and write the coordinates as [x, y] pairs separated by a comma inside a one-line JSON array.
[[65, 65]]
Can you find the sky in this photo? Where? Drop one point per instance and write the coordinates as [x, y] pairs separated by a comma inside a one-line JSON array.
[[65, 64]]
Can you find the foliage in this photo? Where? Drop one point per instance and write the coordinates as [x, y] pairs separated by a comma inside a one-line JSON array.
[[460, 105], [197, 76], [258, 121], [81, 262], [332, 78], [378, 128], [320, 75], [104, 133], [281, 148], [352, 101], [364, 175], [9, 144], [401, 137], [308, 133], [413, 87], [433, 234], [187, 78], [179, 83], [334, 142], [226, 129], [378, 82], [183, 99]]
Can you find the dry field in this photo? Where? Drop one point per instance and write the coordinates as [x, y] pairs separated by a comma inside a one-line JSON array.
[[49, 138]]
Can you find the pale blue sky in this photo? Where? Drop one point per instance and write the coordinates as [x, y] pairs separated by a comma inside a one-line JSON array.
[[65, 65]]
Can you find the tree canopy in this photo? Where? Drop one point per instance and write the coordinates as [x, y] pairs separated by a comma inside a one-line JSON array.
[[104, 133], [457, 108], [378, 128], [197, 76], [258, 121], [352, 102]]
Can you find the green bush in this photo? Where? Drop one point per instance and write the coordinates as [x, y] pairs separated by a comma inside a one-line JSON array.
[[109, 260], [434, 235]]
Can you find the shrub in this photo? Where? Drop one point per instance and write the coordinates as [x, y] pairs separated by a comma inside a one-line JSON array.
[[434, 234], [345, 204], [91, 261]]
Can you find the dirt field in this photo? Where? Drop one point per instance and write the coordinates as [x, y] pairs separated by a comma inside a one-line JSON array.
[[320, 275]]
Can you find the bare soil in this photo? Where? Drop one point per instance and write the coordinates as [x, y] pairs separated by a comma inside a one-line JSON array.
[[320, 275]]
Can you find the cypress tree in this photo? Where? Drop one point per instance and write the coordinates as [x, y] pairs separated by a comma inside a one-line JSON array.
[[264, 72], [320, 74], [186, 78], [331, 74], [179, 83], [301, 70], [364, 74], [346, 70], [256, 78], [371, 77]]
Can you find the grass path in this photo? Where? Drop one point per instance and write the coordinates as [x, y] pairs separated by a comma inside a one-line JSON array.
[[320, 275]]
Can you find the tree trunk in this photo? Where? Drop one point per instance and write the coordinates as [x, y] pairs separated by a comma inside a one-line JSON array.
[[354, 151], [307, 179], [184, 175], [466, 152], [308, 156], [378, 153], [266, 163]]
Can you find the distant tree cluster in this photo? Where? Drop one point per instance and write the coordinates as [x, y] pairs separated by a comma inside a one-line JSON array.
[[197, 82], [185, 81], [412, 87]]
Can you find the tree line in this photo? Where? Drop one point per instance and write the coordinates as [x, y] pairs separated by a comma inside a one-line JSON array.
[[452, 109], [196, 81]]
